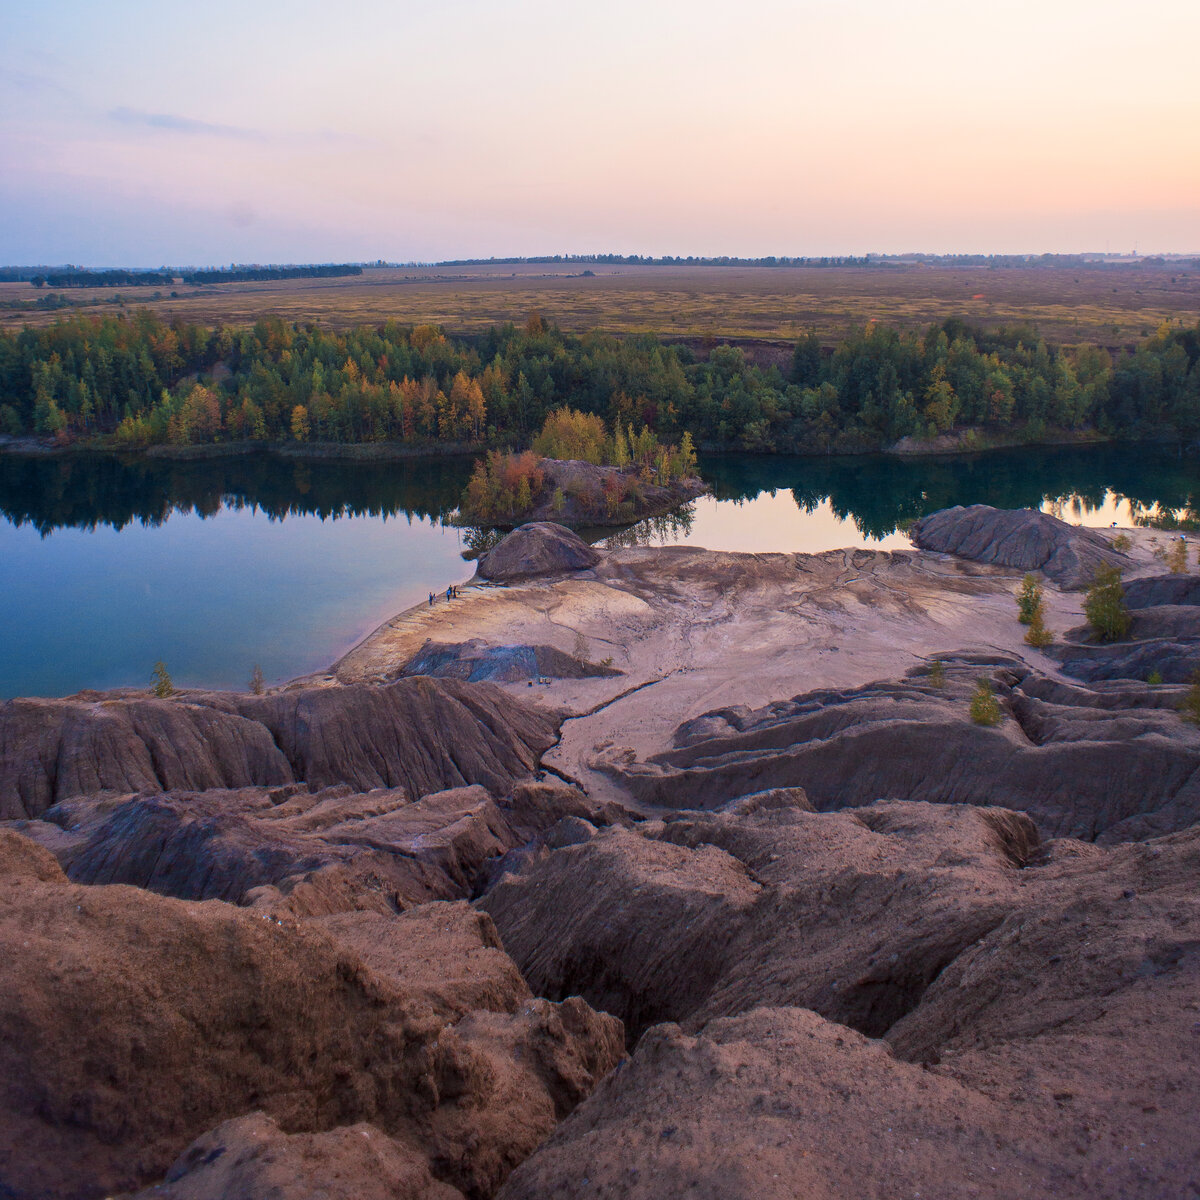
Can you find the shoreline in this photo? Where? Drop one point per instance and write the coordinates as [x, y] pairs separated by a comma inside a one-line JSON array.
[[959, 444], [693, 630]]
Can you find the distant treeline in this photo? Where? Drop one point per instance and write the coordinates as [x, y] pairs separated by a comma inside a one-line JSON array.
[[866, 260], [666, 260], [100, 279], [140, 380], [259, 274]]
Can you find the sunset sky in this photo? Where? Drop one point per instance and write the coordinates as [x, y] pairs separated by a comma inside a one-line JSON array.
[[147, 133]]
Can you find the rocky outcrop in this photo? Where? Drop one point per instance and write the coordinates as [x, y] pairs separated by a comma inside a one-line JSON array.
[[710, 914], [1035, 1004], [421, 735], [539, 548], [287, 850], [1162, 589], [134, 1022], [1105, 763], [1163, 637], [251, 1158], [1022, 538], [476, 660]]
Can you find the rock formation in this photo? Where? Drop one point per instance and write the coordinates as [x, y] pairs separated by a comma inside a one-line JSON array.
[[1163, 638], [539, 548], [1021, 538], [287, 849], [422, 735], [135, 1022], [1035, 1005], [1109, 762]]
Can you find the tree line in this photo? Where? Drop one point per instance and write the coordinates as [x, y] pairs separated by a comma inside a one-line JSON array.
[[241, 274], [138, 380]]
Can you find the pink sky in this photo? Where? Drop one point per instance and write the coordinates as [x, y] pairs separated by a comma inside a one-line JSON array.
[[142, 133]]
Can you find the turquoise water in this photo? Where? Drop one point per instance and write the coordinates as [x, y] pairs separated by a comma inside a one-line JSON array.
[[108, 565]]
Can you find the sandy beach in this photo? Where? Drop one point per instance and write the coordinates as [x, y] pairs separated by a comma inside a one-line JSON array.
[[693, 630]]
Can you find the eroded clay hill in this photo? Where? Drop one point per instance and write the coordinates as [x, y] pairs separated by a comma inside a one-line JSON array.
[[422, 735], [350, 941], [134, 1023], [903, 999], [1022, 538], [1108, 762]]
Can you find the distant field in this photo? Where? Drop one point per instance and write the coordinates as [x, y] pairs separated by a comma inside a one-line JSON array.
[[1112, 307]]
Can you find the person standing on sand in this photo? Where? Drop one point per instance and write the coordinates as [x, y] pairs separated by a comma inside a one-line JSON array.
[[430, 599]]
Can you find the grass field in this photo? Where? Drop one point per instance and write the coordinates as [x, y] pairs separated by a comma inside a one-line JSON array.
[[1112, 307]]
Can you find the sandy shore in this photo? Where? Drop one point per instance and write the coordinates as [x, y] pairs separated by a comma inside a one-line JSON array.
[[692, 630]]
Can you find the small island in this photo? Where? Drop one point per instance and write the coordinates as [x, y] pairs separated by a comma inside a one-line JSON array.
[[577, 473]]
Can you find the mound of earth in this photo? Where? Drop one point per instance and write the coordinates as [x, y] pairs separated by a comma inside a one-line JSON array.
[[477, 660], [1102, 763], [306, 854], [1162, 589], [422, 735], [251, 1158], [1163, 637], [1035, 1005], [135, 1022], [539, 548], [1022, 538]]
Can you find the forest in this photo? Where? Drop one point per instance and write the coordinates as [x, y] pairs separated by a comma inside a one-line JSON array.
[[135, 380], [243, 274]]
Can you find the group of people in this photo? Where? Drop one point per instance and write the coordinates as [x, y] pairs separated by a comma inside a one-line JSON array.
[[451, 594]]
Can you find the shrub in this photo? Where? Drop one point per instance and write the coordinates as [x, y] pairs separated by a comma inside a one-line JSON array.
[[1029, 599], [985, 709], [937, 673], [1155, 677], [162, 686], [1038, 635], [1104, 605], [257, 685], [1122, 542], [1189, 709], [1177, 559]]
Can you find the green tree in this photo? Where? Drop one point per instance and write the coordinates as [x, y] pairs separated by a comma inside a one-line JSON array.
[[1038, 635], [985, 709], [1029, 598], [1104, 605], [162, 685]]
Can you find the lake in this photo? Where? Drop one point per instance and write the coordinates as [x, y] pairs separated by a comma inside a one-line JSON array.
[[110, 564]]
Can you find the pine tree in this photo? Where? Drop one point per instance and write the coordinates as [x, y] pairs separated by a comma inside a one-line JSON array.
[[985, 710], [1177, 559], [1038, 635], [1104, 605], [1028, 599], [162, 686], [257, 685]]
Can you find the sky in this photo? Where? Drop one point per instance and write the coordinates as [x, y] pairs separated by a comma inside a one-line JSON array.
[[140, 133]]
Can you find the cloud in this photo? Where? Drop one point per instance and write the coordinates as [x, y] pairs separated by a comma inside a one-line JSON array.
[[190, 127], [187, 125]]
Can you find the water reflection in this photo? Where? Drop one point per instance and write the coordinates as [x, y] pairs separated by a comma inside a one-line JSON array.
[[86, 491], [878, 496]]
